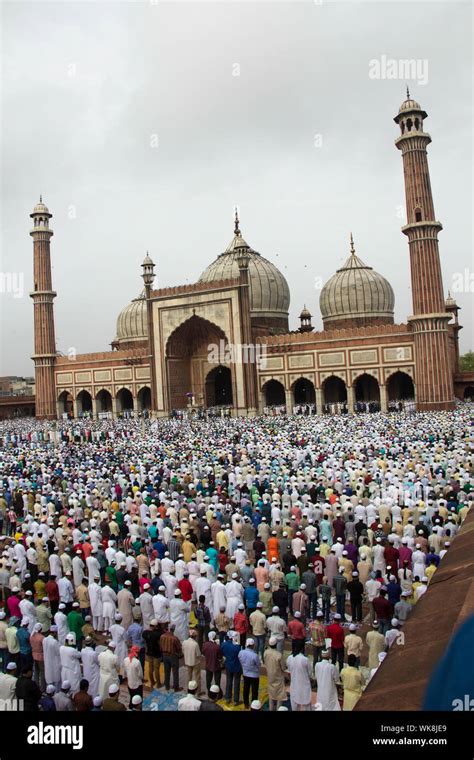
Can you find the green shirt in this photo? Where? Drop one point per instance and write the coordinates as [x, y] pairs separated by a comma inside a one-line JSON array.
[[292, 582], [75, 622]]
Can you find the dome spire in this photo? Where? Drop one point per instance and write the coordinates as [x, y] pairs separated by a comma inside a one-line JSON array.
[[408, 93], [352, 245], [236, 222]]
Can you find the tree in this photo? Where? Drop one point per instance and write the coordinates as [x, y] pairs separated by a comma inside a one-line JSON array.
[[466, 362]]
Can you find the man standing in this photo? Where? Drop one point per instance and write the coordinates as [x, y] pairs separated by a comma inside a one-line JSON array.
[[52, 658], [257, 622], [335, 632], [353, 681], [376, 644], [192, 659], [317, 631], [327, 676], [70, 663], [356, 591], [339, 584], [299, 668], [250, 663], [273, 661], [353, 644], [230, 650], [213, 660], [172, 651], [153, 654], [277, 628], [297, 633]]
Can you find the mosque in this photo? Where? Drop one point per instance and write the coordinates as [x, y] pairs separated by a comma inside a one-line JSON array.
[[160, 362]]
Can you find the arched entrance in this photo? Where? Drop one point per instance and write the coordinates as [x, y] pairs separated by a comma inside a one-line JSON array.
[[469, 393], [65, 404], [103, 402], [84, 403], [219, 387], [400, 387], [144, 399], [274, 393], [367, 393], [124, 400], [190, 349], [303, 391], [334, 395]]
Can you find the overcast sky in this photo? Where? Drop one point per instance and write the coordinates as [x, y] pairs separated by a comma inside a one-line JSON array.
[[143, 124]]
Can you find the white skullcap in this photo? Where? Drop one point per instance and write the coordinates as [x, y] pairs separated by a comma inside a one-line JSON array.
[[97, 701], [214, 689], [249, 643], [211, 635], [192, 686], [50, 689], [113, 688], [282, 708], [66, 685], [272, 641], [297, 614], [275, 609], [11, 666], [137, 700], [352, 627], [256, 705], [394, 622]]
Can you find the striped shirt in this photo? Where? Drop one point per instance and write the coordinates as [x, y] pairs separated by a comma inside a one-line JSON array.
[[170, 644]]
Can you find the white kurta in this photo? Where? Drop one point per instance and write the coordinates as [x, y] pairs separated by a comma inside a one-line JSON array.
[[119, 637], [28, 611], [326, 675], [91, 670], [300, 671], [219, 598], [161, 608], [60, 620], [146, 607], [95, 596], [70, 666], [109, 604], [52, 661], [108, 672], [234, 597], [179, 617]]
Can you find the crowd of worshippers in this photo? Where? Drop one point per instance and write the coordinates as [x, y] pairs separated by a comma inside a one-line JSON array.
[[211, 555]]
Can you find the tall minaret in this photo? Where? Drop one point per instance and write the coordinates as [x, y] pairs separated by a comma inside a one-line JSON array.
[[43, 295], [434, 381]]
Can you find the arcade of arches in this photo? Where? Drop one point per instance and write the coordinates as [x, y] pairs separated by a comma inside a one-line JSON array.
[[334, 396], [104, 404]]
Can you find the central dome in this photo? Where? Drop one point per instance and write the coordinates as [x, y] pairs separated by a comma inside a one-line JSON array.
[[269, 291], [356, 296]]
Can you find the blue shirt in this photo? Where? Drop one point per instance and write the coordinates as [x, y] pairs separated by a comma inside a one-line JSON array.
[[134, 633], [23, 640], [251, 596], [250, 662], [231, 654]]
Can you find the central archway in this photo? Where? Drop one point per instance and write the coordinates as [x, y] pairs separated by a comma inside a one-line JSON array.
[[192, 345], [219, 387]]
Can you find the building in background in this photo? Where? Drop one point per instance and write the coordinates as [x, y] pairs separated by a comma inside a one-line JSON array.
[[223, 343]]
